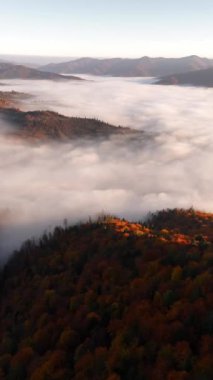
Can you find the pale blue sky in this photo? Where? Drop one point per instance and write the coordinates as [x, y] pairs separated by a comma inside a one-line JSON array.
[[128, 28]]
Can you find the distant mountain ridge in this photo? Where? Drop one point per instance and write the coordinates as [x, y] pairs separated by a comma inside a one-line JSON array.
[[144, 66], [11, 71], [203, 78]]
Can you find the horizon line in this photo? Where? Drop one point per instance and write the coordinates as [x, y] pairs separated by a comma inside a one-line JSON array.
[[102, 57]]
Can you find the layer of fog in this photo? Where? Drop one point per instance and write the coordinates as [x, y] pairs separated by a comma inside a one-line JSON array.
[[171, 167]]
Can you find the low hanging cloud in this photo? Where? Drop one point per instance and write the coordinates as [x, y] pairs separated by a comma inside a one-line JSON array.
[[169, 167]]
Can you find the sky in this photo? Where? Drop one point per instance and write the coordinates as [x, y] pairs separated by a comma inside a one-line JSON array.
[[106, 28]]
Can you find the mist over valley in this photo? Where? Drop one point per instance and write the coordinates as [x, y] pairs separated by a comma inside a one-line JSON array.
[[166, 166]]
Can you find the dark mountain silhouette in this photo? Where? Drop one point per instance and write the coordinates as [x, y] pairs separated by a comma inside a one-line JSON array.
[[144, 66], [111, 300], [48, 125], [202, 78], [10, 71]]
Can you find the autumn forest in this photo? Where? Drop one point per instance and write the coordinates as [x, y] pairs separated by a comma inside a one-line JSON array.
[[111, 300]]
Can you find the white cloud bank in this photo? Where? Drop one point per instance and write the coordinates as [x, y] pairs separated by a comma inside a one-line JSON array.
[[170, 167]]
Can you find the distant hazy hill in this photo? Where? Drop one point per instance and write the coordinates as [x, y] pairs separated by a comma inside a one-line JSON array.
[[111, 300], [47, 125], [144, 66], [196, 78], [32, 60], [10, 71]]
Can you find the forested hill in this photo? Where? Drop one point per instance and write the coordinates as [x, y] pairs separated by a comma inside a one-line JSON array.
[[111, 300], [48, 125], [9, 99]]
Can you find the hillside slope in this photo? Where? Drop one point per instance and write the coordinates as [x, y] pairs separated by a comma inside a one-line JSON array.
[[111, 300]]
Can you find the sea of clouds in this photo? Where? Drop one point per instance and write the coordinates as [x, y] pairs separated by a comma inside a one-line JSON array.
[[171, 166]]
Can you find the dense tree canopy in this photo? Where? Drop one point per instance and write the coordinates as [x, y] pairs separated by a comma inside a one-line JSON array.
[[111, 300]]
